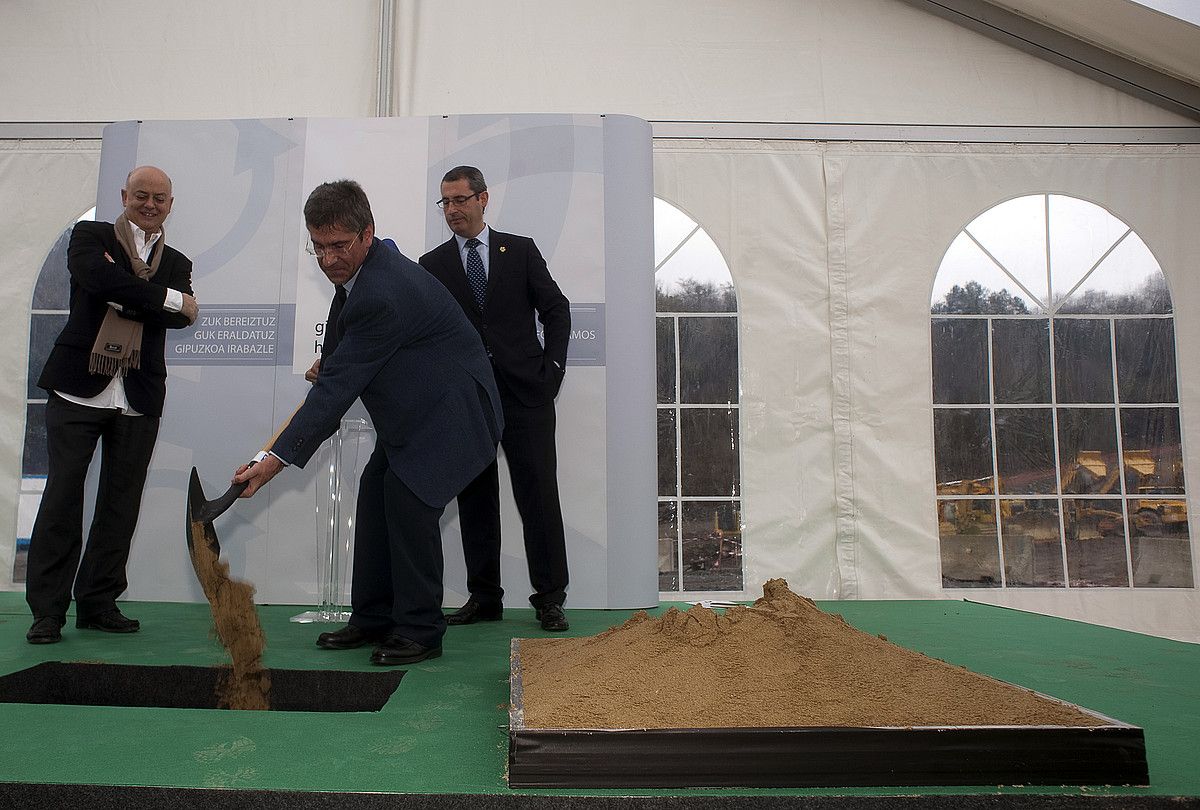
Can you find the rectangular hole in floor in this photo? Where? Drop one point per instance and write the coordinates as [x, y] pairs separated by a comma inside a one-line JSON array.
[[184, 687]]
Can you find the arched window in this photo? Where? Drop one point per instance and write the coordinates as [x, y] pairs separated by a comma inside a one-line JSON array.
[[51, 304], [699, 467], [1056, 411]]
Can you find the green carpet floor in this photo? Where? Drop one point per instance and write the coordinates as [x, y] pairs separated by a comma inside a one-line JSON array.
[[445, 728]]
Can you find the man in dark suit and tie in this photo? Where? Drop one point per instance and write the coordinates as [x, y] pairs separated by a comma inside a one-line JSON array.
[[106, 382], [501, 281], [403, 345]]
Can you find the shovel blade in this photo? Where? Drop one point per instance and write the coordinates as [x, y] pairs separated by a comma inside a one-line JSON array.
[[203, 548], [206, 511], [199, 526]]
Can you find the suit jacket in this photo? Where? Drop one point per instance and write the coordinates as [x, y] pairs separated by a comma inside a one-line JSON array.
[[94, 282], [407, 350], [519, 284]]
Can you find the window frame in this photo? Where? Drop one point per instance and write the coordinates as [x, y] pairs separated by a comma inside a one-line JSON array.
[[677, 406], [1051, 312]]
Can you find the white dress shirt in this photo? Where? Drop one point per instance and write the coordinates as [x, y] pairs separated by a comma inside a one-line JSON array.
[[484, 236]]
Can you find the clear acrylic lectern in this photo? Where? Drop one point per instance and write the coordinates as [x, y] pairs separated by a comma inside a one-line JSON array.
[[340, 463]]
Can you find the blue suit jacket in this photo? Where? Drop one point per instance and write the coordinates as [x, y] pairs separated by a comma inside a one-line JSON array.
[[415, 360]]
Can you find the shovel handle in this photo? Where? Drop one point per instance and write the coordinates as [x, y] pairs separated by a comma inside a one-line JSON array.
[[271, 441], [207, 511]]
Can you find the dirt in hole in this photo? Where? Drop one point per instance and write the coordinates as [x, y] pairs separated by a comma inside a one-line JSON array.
[[782, 662], [247, 684]]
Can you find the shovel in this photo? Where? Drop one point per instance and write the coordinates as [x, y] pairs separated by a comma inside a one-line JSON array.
[[201, 512], [199, 530]]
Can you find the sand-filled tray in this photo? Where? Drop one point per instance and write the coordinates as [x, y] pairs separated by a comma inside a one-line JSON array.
[[781, 694]]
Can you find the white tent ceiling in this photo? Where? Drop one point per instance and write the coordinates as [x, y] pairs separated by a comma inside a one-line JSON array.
[[1165, 42], [847, 61], [1143, 51]]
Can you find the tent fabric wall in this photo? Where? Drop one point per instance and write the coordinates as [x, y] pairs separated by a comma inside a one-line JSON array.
[[833, 249], [907, 205], [44, 187], [759, 206]]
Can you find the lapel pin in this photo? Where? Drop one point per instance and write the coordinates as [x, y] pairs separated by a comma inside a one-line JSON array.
[[503, 248]]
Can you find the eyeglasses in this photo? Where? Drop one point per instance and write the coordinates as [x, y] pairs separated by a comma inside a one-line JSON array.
[[446, 202], [336, 250]]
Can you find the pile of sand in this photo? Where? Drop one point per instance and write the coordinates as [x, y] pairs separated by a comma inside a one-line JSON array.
[[247, 685], [779, 663]]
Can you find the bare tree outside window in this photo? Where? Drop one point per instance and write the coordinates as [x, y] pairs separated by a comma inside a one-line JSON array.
[[699, 459], [1057, 445]]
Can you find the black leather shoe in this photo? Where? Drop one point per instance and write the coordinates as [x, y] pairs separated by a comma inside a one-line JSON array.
[[110, 621], [400, 650], [552, 618], [350, 637], [474, 611], [46, 630]]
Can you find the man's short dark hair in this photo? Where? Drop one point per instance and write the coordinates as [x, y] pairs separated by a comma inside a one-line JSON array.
[[340, 204], [473, 176]]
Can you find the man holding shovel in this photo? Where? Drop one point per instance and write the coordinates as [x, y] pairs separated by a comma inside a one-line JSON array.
[[403, 345]]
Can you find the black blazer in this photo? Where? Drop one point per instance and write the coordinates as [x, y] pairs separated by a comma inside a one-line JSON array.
[[94, 282], [407, 350], [519, 284]]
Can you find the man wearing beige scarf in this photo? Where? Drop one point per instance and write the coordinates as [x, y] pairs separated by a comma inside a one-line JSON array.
[[106, 383]]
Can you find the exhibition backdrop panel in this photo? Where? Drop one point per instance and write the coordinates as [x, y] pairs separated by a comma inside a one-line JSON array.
[[580, 185]]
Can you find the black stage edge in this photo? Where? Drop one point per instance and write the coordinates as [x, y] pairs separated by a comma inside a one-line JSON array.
[[184, 687], [825, 757], [1112, 754], [105, 797]]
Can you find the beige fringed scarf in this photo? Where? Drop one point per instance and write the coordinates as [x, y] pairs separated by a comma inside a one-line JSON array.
[[118, 345]]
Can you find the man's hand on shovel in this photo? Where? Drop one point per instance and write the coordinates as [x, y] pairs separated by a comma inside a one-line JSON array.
[[256, 475], [247, 480], [201, 512]]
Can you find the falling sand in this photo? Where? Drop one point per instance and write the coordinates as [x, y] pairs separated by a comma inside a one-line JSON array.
[[248, 684], [779, 663]]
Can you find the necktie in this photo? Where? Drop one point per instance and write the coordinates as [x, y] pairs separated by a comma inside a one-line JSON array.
[[475, 273], [333, 331]]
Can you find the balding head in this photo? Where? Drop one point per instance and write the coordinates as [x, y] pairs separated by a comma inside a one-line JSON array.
[[147, 197]]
